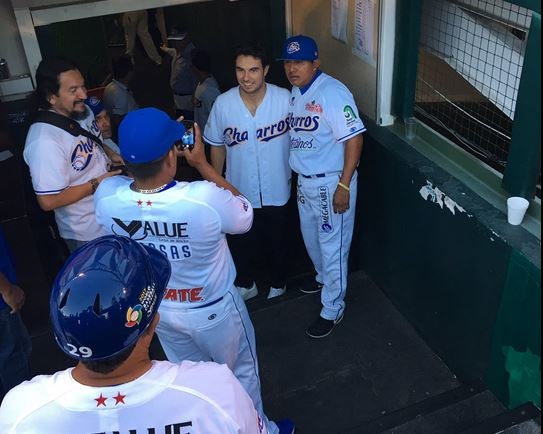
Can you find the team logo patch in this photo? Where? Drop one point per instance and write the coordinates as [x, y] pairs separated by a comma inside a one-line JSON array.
[[134, 315], [350, 116], [244, 203], [94, 100], [314, 107], [82, 154], [293, 47], [325, 220]]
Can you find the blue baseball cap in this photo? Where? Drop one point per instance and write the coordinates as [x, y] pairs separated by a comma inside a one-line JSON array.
[[300, 48], [147, 134], [95, 104]]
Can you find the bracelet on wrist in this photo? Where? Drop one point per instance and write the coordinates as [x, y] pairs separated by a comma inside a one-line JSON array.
[[343, 186], [94, 185]]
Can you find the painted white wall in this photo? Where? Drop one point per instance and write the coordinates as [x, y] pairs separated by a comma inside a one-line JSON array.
[[312, 18], [11, 46]]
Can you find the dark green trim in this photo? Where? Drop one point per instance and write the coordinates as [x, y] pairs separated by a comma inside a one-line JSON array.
[[408, 18], [524, 161], [534, 5]]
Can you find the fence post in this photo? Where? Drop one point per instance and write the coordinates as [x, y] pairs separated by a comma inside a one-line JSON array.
[[524, 160]]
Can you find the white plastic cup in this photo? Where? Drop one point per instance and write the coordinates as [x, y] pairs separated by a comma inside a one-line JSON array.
[[410, 128], [516, 208]]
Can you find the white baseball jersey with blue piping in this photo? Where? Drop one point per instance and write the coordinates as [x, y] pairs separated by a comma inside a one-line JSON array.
[[322, 118], [199, 398], [58, 160], [202, 316], [256, 147], [186, 222]]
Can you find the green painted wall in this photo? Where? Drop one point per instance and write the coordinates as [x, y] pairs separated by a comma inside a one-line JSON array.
[[515, 365], [468, 281]]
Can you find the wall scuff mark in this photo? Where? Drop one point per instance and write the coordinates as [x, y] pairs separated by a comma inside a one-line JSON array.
[[435, 195]]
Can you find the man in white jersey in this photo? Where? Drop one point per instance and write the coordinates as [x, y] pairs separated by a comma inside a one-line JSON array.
[[325, 146], [203, 317], [66, 169], [103, 306], [248, 127]]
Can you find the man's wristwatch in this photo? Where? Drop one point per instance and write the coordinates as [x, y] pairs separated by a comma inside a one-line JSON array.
[[94, 184]]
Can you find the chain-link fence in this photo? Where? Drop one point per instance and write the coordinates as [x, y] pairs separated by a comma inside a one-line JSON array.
[[470, 61]]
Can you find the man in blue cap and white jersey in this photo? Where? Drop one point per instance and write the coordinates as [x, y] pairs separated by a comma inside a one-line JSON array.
[[325, 146]]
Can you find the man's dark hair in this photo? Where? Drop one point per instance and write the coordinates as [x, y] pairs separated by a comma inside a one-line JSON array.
[[109, 364], [146, 170], [121, 66], [201, 60], [48, 78], [255, 50]]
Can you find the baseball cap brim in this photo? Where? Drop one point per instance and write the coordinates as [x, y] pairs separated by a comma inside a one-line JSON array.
[[147, 134]]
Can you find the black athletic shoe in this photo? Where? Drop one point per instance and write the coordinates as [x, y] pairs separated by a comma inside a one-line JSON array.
[[322, 327], [311, 287]]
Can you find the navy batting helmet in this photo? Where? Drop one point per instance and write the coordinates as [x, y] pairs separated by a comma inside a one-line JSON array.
[[106, 295]]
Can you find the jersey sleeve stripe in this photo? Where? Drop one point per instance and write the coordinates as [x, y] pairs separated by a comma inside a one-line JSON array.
[[348, 136], [50, 191], [212, 142]]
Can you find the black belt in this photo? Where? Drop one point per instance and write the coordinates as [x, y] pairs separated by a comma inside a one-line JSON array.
[[211, 303], [182, 94], [319, 175]]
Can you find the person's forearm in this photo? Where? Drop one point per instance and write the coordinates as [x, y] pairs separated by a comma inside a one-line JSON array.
[[353, 149], [218, 155], [209, 173], [49, 202]]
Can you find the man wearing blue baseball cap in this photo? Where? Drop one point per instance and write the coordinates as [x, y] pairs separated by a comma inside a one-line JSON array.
[[202, 316], [103, 121], [325, 147], [104, 311]]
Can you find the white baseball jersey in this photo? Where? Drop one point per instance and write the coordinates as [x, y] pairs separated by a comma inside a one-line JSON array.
[[200, 398], [187, 223], [256, 147], [58, 160], [202, 316], [321, 119], [324, 116]]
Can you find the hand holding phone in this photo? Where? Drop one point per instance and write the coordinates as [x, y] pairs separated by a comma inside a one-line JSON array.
[[121, 167], [187, 141]]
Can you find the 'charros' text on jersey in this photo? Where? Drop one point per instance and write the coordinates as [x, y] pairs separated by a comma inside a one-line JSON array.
[[232, 136], [83, 149]]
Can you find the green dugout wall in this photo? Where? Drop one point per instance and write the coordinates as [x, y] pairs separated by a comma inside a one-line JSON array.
[[467, 280]]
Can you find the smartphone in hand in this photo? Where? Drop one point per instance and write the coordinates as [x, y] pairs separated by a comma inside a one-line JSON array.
[[187, 141]]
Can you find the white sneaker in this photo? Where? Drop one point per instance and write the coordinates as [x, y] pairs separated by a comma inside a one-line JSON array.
[[247, 293], [276, 292]]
